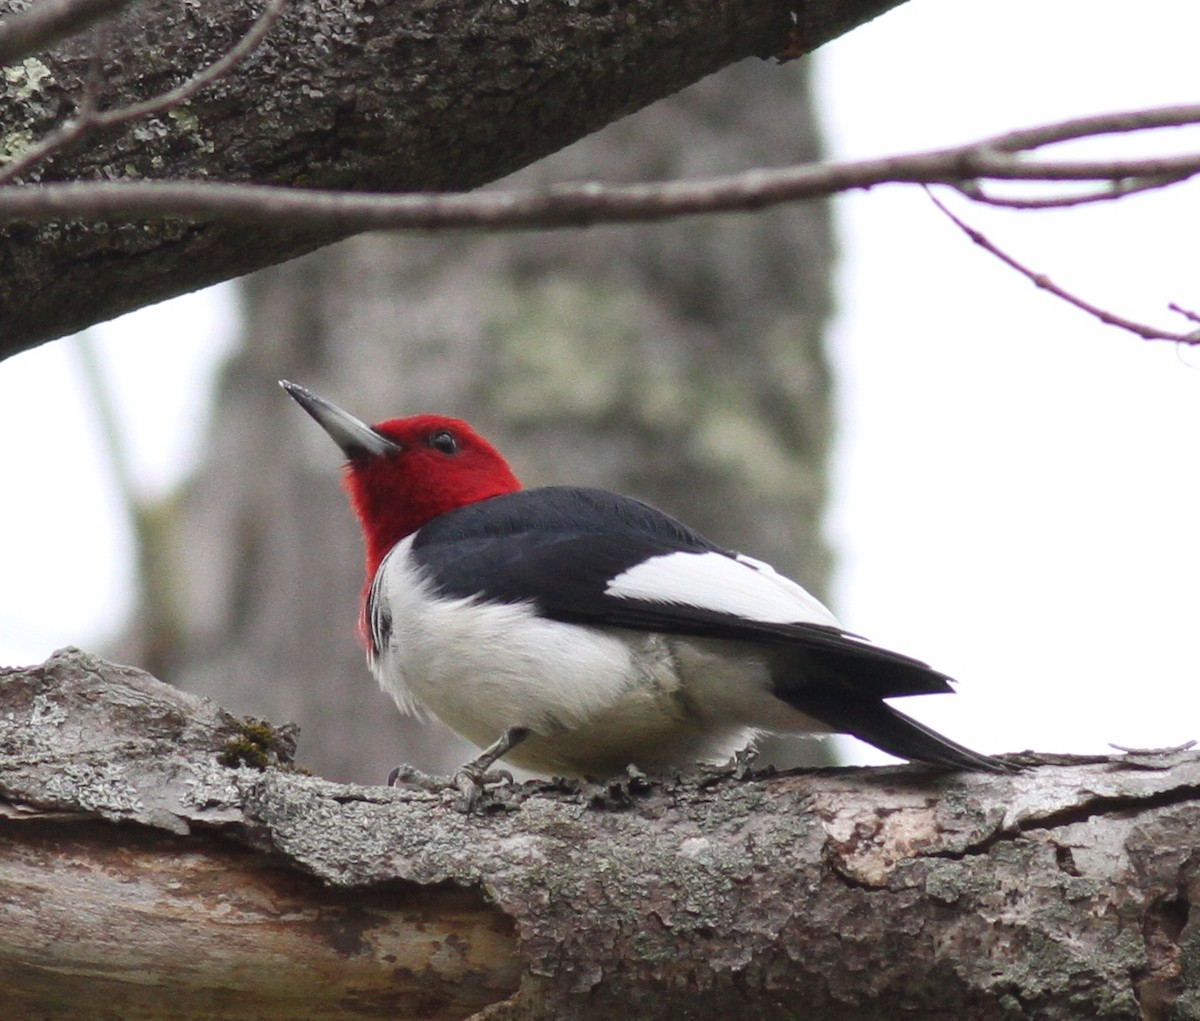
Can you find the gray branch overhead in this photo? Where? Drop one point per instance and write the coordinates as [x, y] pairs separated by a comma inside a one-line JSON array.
[[430, 95], [151, 849]]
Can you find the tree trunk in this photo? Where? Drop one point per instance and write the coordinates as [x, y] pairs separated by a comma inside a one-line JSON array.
[[235, 887], [425, 95]]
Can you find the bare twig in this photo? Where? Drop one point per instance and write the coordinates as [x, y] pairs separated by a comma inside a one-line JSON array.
[[48, 21], [89, 101], [981, 163], [113, 440], [583, 204], [576, 205], [1074, 128], [1114, 190], [1045, 283], [89, 119], [1186, 313]]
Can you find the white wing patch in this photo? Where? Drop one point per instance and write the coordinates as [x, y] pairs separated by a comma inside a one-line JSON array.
[[741, 586]]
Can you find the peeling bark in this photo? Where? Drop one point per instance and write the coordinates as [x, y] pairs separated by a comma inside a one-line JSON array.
[[427, 95], [137, 863]]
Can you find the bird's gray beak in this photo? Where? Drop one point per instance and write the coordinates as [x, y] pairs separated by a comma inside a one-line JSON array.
[[356, 438]]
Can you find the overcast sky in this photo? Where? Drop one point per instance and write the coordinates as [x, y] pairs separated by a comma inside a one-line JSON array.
[[1017, 486]]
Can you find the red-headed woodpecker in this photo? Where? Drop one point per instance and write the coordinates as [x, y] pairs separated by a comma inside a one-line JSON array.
[[575, 631]]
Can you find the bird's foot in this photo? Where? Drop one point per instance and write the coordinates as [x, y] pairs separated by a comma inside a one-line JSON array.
[[476, 786], [473, 780], [475, 777]]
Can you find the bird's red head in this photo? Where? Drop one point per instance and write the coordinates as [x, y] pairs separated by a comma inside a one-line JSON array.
[[404, 472], [438, 465]]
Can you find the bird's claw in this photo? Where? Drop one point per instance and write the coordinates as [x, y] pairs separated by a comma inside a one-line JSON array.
[[473, 785], [471, 782]]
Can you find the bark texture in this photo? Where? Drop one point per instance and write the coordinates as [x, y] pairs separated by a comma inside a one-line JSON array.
[[238, 888], [423, 95]]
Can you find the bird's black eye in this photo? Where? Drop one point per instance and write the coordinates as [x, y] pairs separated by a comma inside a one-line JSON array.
[[444, 441]]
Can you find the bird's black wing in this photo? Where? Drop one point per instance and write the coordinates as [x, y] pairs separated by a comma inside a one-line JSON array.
[[561, 548]]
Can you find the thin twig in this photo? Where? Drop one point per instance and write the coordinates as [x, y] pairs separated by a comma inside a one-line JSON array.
[[1094, 125], [1186, 313], [1045, 283], [1114, 190], [574, 205], [583, 204], [980, 162], [577, 205], [89, 119], [93, 83], [46, 22], [113, 439]]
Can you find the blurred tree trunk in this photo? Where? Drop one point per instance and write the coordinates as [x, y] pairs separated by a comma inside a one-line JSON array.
[[681, 363]]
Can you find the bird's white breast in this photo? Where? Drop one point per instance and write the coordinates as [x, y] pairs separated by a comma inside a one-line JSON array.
[[595, 698]]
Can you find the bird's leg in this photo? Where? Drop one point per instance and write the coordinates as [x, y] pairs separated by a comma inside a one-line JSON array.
[[504, 744], [471, 777]]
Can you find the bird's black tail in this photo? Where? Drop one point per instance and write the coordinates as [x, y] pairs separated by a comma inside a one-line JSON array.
[[886, 728]]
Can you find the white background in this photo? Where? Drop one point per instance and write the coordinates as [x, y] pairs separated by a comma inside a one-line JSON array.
[[1017, 485]]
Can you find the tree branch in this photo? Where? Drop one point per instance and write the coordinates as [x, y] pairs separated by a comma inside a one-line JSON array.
[[317, 212], [432, 95], [1058, 893], [1112, 191], [589, 203]]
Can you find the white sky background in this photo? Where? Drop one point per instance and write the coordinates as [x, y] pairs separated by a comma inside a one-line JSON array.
[[1016, 484]]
